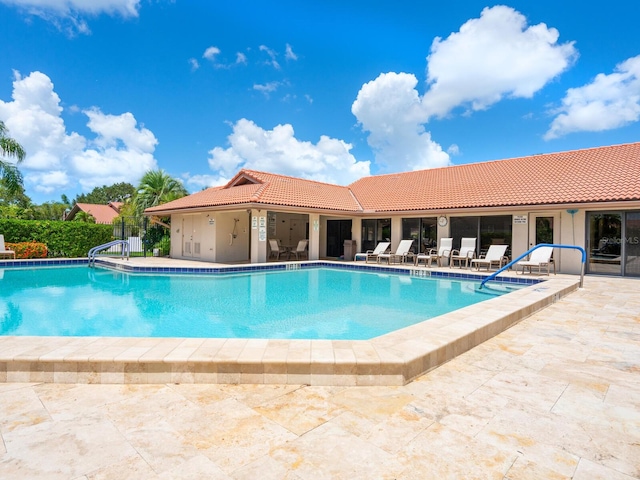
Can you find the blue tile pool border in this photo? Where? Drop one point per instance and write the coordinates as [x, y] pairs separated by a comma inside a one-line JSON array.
[[226, 270]]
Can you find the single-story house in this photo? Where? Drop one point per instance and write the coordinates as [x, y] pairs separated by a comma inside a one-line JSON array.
[[102, 213], [589, 198]]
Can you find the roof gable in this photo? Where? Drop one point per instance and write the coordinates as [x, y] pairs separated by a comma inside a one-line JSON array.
[[250, 187], [102, 213]]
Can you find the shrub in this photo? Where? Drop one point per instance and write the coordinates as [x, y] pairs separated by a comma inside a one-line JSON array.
[[164, 245], [63, 239], [28, 249]]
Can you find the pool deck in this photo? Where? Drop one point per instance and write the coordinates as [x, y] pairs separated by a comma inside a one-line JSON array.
[[392, 359], [556, 396]]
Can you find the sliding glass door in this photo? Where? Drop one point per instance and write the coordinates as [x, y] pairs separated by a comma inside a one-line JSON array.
[[613, 246], [632, 244]]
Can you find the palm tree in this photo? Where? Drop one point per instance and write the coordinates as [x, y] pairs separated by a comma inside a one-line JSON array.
[[157, 187], [9, 173]]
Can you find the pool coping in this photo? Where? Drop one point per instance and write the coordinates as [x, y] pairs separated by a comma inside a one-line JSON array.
[[395, 358]]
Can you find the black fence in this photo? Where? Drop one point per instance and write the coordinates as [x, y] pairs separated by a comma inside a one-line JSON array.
[[145, 236]]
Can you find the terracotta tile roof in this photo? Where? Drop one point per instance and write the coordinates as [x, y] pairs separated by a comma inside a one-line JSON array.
[[253, 187], [579, 176], [592, 175], [102, 213]]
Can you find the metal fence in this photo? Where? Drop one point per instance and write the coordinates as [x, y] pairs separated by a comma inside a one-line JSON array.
[[144, 236]]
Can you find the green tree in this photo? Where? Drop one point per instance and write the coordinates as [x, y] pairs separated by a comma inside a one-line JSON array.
[[9, 173], [13, 197], [84, 217], [117, 192], [157, 187], [49, 211]]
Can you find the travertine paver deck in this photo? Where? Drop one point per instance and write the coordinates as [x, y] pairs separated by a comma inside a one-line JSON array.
[[555, 396]]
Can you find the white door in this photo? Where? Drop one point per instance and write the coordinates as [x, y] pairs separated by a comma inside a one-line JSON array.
[[191, 236]]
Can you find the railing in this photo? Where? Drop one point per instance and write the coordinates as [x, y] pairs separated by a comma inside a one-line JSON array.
[[93, 253], [512, 262]]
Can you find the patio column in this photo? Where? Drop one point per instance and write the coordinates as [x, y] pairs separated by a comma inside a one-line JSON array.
[[258, 224], [314, 236]]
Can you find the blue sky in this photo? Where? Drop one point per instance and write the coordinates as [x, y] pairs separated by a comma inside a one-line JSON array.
[[100, 91]]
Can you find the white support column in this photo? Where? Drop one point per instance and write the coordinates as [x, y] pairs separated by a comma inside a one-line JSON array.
[[396, 232], [356, 232], [314, 236], [258, 225]]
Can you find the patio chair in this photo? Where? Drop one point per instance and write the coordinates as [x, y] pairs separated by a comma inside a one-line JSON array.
[[446, 244], [3, 251], [465, 254], [400, 253], [540, 258], [300, 250], [277, 249], [372, 254], [495, 255]]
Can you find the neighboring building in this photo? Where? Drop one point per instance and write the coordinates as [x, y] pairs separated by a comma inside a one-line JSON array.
[[589, 198], [102, 213]]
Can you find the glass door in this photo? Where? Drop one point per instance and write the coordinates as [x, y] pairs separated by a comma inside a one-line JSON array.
[[543, 230], [604, 245], [632, 244]]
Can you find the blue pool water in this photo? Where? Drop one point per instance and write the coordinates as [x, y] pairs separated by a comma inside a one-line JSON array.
[[314, 303]]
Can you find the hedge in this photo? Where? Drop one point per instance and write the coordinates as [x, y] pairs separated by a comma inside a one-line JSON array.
[[62, 239]]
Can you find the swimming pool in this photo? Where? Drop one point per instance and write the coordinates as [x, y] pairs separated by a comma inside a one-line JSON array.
[[312, 303]]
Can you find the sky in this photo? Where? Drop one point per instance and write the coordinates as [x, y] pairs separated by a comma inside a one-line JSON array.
[[100, 91]]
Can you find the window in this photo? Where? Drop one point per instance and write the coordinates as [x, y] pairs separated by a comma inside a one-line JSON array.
[[422, 231], [375, 230], [490, 230]]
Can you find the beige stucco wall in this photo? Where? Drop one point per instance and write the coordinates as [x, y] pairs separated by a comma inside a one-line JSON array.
[[212, 230], [232, 237]]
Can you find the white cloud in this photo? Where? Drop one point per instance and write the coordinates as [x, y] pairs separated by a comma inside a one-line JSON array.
[[121, 151], [289, 53], [272, 56], [267, 88], [210, 53], [610, 101], [194, 64], [279, 151], [241, 58], [199, 182], [67, 14], [491, 57], [391, 110], [49, 182], [126, 8]]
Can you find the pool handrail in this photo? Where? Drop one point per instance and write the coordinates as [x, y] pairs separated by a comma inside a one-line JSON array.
[[93, 253], [554, 245]]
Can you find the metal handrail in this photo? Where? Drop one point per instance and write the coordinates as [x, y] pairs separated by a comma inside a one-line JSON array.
[[554, 245], [93, 253]]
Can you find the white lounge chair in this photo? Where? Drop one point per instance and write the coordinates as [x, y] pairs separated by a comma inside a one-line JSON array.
[[495, 255], [466, 253], [446, 244], [373, 254], [540, 258], [300, 250], [400, 253], [3, 251], [277, 249]]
